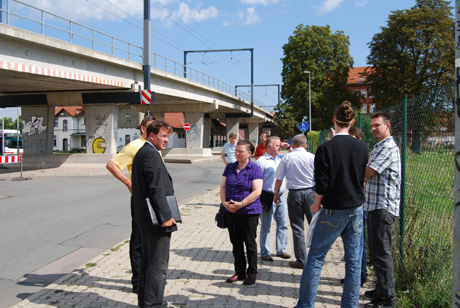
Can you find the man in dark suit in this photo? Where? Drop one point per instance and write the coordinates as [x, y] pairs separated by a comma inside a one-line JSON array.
[[152, 180]]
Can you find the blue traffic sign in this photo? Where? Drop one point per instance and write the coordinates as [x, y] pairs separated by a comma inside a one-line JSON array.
[[303, 126]]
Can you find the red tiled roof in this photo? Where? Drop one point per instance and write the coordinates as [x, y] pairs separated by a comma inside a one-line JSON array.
[[174, 119], [72, 110], [354, 75]]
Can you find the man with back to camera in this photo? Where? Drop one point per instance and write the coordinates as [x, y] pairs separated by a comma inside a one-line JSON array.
[[151, 180], [123, 160], [229, 149], [298, 168], [268, 163], [383, 189]]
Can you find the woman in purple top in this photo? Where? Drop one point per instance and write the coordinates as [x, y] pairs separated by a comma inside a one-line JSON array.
[[239, 194]]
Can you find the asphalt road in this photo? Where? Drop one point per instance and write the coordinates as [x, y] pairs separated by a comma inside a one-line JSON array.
[[50, 226]]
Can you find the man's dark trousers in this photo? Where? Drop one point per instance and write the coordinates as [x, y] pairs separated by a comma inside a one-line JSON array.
[[380, 230], [135, 249], [154, 267]]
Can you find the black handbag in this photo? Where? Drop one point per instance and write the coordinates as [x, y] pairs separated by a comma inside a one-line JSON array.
[[220, 217], [266, 198]]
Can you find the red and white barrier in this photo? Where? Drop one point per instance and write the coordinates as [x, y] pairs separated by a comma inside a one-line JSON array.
[[10, 159]]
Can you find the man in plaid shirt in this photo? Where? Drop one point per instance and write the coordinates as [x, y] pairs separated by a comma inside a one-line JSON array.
[[382, 189]]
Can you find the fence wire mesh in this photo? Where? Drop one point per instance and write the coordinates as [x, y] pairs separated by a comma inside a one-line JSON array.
[[424, 129]]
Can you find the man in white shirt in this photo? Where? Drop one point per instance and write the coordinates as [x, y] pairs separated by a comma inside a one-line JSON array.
[[229, 149], [298, 168], [268, 163]]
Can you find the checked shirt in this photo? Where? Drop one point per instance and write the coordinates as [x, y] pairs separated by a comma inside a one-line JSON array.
[[383, 190]]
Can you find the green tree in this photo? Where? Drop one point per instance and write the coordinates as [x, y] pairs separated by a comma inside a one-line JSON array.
[[412, 55], [326, 55], [8, 123]]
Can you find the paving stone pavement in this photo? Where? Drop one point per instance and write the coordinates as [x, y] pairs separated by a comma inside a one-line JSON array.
[[200, 261]]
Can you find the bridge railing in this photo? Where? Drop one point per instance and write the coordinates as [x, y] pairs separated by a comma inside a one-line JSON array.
[[27, 17]]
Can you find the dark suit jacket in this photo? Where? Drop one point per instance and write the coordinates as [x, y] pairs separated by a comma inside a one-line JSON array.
[[150, 178]]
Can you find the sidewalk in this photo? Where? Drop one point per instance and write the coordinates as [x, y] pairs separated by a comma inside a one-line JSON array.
[[201, 260]]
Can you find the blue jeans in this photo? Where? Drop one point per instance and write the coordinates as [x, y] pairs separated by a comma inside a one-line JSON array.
[[330, 225], [279, 212], [364, 259]]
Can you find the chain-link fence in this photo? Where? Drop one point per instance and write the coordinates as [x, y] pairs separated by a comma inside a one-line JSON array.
[[424, 129]]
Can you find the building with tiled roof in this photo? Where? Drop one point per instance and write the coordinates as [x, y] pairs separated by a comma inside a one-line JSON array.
[[357, 82]]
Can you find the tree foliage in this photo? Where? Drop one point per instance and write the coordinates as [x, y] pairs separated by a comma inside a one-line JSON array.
[[8, 123], [414, 53], [326, 55]]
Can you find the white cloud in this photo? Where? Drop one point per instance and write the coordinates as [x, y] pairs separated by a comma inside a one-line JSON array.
[[188, 15], [361, 3], [249, 16], [260, 2], [328, 6]]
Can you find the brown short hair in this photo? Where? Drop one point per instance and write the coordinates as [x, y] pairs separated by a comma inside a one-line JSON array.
[[247, 143], [145, 121], [155, 127], [231, 135], [385, 116]]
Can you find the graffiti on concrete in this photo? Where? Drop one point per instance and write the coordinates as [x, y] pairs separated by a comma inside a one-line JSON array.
[[194, 134], [97, 140], [34, 126]]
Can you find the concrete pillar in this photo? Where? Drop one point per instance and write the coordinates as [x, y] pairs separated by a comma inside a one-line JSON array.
[[37, 131], [101, 129], [253, 129], [207, 132], [233, 126], [194, 137]]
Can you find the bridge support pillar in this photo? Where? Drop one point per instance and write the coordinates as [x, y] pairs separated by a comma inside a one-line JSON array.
[[38, 130], [233, 126], [195, 134], [253, 129], [101, 129], [207, 132]]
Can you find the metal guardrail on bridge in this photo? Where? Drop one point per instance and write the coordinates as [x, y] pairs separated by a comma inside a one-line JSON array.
[[54, 26]]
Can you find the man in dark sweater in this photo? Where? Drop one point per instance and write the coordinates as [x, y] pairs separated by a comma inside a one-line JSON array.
[[340, 167]]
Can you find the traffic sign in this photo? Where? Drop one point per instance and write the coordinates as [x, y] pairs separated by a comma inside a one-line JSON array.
[[146, 97], [303, 126], [186, 126]]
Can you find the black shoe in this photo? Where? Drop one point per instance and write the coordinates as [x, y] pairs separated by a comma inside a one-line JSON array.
[[372, 294], [379, 303], [250, 280]]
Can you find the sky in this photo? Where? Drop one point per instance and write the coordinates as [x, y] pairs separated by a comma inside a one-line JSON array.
[[265, 25]]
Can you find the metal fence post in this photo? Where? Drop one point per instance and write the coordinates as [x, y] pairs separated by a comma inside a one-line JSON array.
[[403, 175]]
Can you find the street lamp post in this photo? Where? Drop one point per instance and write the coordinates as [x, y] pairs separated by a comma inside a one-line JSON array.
[[309, 97]]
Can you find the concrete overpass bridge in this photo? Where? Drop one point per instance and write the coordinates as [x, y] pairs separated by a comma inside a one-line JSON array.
[[39, 73]]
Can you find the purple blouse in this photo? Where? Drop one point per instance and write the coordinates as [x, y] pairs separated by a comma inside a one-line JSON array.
[[239, 185]]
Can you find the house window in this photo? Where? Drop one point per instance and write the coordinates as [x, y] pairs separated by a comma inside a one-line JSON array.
[[364, 108], [54, 141], [64, 125], [127, 139], [83, 142], [127, 117], [56, 122], [371, 108], [363, 92]]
